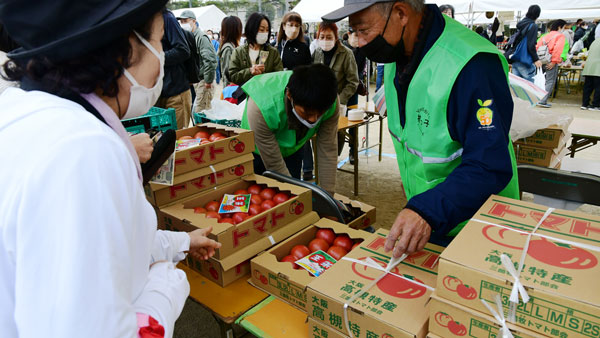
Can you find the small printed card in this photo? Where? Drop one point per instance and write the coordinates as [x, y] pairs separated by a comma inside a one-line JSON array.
[[184, 144], [317, 262], [235, 203]]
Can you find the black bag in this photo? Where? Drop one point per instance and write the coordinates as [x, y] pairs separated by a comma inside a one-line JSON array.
[[513, 42], [192, 64]]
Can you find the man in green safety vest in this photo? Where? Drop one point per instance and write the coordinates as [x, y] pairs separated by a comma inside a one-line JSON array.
[[285, 110], [449, 115]]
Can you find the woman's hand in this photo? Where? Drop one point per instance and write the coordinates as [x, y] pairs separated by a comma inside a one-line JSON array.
[[202, 247], [257, 69], [143, 146]]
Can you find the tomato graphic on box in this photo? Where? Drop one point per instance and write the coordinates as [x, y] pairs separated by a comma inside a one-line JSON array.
[[238, 170], [260, 277], [543, 250], [457, 328], [237, 146], [445, 320], [296, 208], [454, 284], [391, 284]]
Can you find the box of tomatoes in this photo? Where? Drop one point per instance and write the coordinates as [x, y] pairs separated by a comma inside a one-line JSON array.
[[199, 180], [275, 271], [217, 144], [360, 215], [449, 319], [560, 272], [394, 306], [273, 207]]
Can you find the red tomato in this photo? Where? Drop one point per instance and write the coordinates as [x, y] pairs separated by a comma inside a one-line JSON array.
[[300, 251], [254, 209], [241, 192], [318, 244], [226, 220], [202, 134], [290, 259], [213, 214], [212, 206], [204, 142], [326, 234], [239, 217], [185, 138], [356, 243], [267, 194], [255, 199], [354, 246], [267, 204], [337, 252], [343, 241], [280, 197], [254, 189], [219, 138], [199, 210], [213, 137]]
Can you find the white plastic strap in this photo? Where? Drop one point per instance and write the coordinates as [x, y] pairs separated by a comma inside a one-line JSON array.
[[215, 175], [272, 240], [499, 316]]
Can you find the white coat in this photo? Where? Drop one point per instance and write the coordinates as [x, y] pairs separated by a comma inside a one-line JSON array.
[[77, 236]]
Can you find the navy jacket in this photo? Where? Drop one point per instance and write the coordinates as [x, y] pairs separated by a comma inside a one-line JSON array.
[[177, 52], [486, 166]]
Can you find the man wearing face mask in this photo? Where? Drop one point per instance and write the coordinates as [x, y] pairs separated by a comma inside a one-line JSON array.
[[207, 61], [285, 109], [449, 114]]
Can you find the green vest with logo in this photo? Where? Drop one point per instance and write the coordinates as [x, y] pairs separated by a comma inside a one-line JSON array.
[[425, 151], [268, 92]]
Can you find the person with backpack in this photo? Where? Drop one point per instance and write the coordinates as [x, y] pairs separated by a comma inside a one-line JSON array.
[[551, 50], [526, 66], [231, 33]]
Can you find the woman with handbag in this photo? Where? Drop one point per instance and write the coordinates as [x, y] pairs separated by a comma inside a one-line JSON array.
[[524, 56]]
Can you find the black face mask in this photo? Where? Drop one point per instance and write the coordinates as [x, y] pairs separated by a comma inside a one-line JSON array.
[[381, 51]]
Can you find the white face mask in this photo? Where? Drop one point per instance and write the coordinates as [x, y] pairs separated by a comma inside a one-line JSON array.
[[262, 38], [141, 99], [291, 32], [326, 45], [186, 26], [303, 121], [215, 37]]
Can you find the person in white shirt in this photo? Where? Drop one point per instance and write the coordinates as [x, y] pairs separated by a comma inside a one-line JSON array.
[[80, 255]]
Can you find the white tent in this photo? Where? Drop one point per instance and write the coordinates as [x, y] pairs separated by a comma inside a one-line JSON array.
[[313, 10], [208, 17]]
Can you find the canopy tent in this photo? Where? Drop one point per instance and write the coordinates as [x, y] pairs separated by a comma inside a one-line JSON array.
[[208, 17], [313, 10]]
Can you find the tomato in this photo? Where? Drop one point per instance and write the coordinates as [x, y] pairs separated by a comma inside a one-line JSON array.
[[354, 246], [239, 217], [212, 206], [226, 220], [202, 134], [254, 209], [281, 197], [213, 214], [185, 138], [267, 204], [300, 251], [199, 210], [267, 194], [466, 292], [326, 234], [343, 241], [205, 141], [290, 259], [318, 244], [254, 189], [241, 192], [337, 252], [255, 199], [213, 137], [219, 138]]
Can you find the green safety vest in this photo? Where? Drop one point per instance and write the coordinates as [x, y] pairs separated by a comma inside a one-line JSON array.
[[268, 92], [425, 151]]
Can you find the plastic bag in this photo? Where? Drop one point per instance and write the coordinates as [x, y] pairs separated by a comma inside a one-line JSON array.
[[527, 120], [224, 110], [379, 100], [539, 79]]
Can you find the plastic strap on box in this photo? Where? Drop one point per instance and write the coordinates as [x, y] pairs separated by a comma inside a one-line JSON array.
[[499, 315], [272, 240], [214, 175]]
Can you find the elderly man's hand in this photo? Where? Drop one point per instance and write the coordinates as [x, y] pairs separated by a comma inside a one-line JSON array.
[[409, 234], [143, 146]]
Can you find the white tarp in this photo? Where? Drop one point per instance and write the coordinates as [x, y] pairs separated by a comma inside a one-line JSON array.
[[462, 6], [208, 17], [313, 10]]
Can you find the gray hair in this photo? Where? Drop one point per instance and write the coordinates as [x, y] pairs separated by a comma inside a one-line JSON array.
[[385, 7]]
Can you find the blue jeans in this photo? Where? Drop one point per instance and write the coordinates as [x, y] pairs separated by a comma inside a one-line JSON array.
[[218, 71], [379, 77], [526, 71]]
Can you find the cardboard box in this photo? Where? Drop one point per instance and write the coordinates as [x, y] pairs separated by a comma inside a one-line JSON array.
[[550, 138], [319, 330], [432, 335], [279, 278], [561, 279], [542, 157], [238, 142], [452, 320], [395, 307], [196, 181], [180, 216], [233, 267], [363, 215]]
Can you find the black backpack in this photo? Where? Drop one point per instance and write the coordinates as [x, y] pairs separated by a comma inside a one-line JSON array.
[[192, 64]]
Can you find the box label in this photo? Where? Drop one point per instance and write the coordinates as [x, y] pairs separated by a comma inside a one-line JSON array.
[[317, 262]]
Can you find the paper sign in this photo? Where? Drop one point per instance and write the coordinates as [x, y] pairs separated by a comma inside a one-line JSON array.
[[165, 173], [317, 262], [184, 144], [235, 203], [264, 55]]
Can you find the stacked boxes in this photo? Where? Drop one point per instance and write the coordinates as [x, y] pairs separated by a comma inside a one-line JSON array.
[[545, 148], [560, 273]]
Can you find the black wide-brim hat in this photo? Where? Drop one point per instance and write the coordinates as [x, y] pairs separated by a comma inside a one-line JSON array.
[[67, 29]]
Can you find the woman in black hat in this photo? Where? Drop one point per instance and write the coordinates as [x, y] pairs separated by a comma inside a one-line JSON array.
[[79, 252]]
